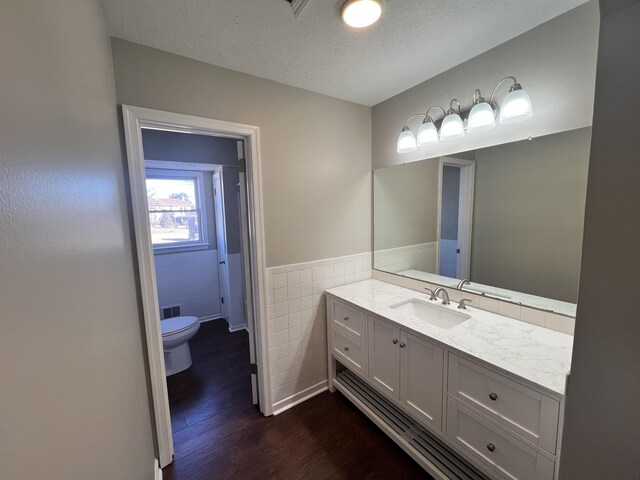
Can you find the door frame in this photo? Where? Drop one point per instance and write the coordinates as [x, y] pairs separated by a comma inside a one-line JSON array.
[[465, 211], [136, 118]]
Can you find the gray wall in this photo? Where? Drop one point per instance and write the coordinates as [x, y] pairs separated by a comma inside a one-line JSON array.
[[406, 204], [555, 62], [73, 388], [183, 147], [316, 150], [602, 430], [529, 213]]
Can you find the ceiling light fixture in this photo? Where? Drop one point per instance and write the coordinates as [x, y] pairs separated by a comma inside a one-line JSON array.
[[516, 107], [361, 13]]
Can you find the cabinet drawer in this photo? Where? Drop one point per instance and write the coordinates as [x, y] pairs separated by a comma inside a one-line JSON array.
[[348, 351], [521, 409], [352, 320], [498, 450]]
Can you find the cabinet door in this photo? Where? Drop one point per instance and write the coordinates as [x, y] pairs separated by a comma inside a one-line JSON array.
[[384, 356], [421, 365]]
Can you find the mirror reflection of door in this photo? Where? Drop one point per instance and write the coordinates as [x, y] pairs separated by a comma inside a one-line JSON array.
[[456, 210]]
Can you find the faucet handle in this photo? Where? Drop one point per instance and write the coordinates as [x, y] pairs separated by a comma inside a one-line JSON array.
[[432, 295], [463, 303]]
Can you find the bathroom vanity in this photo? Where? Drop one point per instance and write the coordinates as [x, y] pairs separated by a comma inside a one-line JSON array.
[[466, 393]]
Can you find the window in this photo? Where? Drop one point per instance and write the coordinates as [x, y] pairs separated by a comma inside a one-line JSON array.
[[176, 209]]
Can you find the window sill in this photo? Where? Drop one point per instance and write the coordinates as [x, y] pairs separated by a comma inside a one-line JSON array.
[[180, 249]]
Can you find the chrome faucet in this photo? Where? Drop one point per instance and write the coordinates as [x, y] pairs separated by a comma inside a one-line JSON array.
[[432, 295], [462, 283], [445, 295]]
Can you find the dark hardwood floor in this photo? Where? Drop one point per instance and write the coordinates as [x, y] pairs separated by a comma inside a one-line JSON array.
[[218, 434]]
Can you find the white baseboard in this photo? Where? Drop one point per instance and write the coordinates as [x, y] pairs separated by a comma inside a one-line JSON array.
[[208, 318], [237, 328], [157, 471], [297, 398]]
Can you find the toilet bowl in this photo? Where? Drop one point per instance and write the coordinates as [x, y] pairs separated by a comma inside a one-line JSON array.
[[176, 333]]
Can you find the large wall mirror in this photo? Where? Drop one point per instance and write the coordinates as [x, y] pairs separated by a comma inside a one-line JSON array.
[[507, 218]]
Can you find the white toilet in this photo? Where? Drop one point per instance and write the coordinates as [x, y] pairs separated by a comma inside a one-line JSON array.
[[176, 333]]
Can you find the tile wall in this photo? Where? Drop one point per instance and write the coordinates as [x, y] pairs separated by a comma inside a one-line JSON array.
[[297, 319], [422, 257]]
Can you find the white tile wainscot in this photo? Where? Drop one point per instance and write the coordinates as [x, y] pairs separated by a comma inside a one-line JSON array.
[[501, 380], [297, 323]]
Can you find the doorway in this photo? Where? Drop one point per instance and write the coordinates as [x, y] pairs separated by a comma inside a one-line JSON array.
[[252, 259], [455, 216]]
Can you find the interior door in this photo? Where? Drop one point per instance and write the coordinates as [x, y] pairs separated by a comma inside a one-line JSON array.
[[246, 270], [221, 238]]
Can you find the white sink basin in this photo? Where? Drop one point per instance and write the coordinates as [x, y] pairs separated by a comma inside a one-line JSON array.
[[435, 315]]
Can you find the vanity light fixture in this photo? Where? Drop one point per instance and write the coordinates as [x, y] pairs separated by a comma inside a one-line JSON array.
[[428, 132], [361, 13], [452, 126], [482, 117], [516, 107], [407, 141]]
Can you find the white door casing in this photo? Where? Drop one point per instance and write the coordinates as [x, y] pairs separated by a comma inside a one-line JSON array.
[[136, 118], [246, 271]]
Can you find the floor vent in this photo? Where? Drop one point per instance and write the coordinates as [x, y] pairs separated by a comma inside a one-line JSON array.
[[430, 447], [297, 6]]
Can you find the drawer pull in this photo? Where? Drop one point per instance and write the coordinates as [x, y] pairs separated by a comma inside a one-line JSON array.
[[346, 349], [493, 396], [346, 319], [491, 447], [395, 340], [402, 345]]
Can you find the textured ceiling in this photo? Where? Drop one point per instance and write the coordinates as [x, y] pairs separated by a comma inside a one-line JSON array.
[[415, 39]]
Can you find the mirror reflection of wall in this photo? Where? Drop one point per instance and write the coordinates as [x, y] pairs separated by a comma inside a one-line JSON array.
[[527, 218]]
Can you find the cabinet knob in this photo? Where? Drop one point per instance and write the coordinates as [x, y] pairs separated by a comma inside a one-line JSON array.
[[346, 349], [491, 447], [402, 345], [346, 318], [493, 396], [395, 340]]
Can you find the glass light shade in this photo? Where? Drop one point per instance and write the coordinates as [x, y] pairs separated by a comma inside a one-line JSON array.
[[452, 127], [407, 142], [481, 118], [428, 134], [516, 107], [361, 13]]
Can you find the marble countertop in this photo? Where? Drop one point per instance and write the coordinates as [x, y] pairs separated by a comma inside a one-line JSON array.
[[535, 354]]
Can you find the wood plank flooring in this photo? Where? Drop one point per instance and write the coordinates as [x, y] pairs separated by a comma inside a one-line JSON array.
[[218, 434]]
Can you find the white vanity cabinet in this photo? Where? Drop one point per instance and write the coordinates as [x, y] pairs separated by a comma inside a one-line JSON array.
[[501, 426], [408, 369]]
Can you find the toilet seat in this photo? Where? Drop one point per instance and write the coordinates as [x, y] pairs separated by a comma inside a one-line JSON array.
[[175, 325]]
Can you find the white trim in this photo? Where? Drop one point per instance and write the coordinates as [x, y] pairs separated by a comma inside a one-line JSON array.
[[237, 328], [297, 398], [167, 165], [209, 318], [136, 118], [157, 471]]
